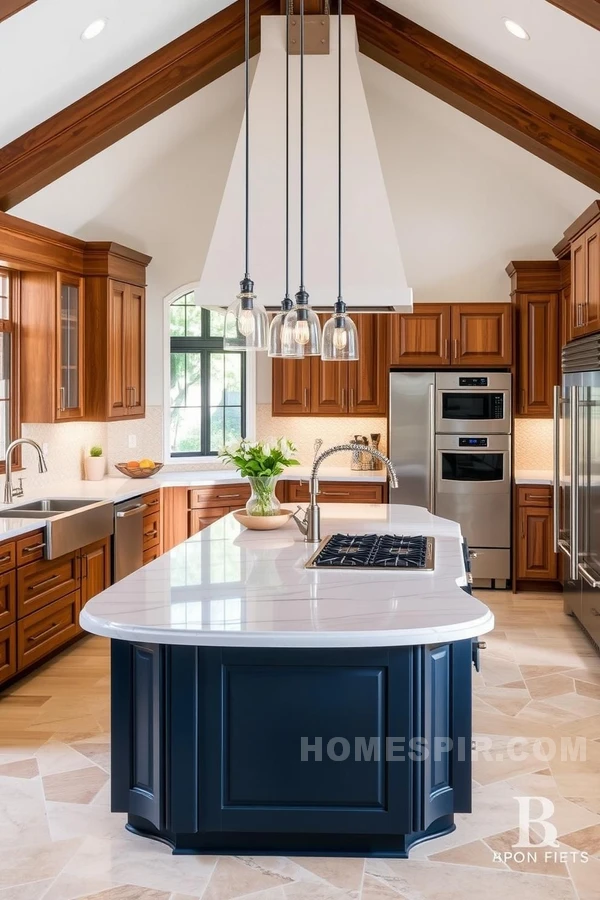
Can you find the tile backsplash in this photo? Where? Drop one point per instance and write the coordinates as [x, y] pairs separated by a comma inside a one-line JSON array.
[[533, 444]]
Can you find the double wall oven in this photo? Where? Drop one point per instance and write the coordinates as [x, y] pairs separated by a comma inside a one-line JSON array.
[[464, 421]]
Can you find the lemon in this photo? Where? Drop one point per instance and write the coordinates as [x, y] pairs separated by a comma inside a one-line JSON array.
[[146, 464]]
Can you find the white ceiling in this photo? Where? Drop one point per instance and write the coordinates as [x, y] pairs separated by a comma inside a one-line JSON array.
[[44, 65]]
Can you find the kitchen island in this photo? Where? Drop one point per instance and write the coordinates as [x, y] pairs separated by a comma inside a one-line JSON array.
[[261, 707]]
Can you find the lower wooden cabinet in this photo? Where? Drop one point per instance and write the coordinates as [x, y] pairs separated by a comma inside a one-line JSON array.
[[39, 583], [47, 629], [8, 652], [95, 569], [8, 599], [150, 555], [198, 519], [534, 547], [337, 492]]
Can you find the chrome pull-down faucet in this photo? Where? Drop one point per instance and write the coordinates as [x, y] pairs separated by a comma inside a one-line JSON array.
[[9, 490], [310, 524]]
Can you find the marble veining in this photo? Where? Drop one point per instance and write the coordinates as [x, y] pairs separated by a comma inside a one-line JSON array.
[[231, 587]]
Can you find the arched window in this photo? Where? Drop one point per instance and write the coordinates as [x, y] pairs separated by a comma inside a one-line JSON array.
[[207, 393]]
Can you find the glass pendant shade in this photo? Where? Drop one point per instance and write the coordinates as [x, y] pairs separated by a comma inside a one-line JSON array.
[[340, 339], [246, 322], [301, 333], [276, 331]]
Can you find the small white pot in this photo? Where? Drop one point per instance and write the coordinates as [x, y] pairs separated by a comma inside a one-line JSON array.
[[95, 468]]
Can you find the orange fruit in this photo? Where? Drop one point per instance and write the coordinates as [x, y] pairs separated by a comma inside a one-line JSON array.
[[132, 464]]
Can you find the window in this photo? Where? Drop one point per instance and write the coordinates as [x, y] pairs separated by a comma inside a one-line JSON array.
[[207, 384], [8, 412]]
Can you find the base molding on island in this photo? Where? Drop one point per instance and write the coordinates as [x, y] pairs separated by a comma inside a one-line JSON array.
[[351, 752]]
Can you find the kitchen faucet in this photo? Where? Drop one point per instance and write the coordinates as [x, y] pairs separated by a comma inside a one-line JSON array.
[[310, 525], [9, 490]]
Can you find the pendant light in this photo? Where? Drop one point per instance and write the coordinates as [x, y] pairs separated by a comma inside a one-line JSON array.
[[246, 321], [301, 334], [340, 338], [278, 321]]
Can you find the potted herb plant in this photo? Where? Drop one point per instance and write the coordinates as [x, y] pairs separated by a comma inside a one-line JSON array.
[[95, 465], [261, 462]]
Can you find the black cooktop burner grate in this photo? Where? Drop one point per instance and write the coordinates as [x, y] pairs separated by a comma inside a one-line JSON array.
[[382, 551]]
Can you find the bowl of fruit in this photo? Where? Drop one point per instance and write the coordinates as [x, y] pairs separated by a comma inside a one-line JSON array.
[[143, 468]]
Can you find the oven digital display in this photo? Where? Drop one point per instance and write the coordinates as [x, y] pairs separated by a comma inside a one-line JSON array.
[[480, 381], [472, 442]]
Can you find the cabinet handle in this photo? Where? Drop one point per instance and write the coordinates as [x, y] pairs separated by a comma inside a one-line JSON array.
[[306, 404], [152, 533], [344, 398], [6, 558], [593, 582], [153, 503], [62, 400], [522, 400], [33, 548], [522, 524], [227, 496], [447, 349], [41, 634], [351, 398], [134, 396], [455, 348], [39, 584], [336, 493]]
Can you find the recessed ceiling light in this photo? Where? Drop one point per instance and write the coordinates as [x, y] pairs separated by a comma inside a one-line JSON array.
[[93, 29], [516, 29]]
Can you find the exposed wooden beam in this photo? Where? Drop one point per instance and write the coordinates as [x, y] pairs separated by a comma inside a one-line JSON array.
[[9, 7], [478, 90], [127, 101], [587, 11]]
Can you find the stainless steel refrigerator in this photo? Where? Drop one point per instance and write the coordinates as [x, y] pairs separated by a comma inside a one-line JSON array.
[[577, 480]]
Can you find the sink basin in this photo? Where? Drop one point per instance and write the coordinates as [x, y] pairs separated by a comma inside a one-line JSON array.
[[70, 524]]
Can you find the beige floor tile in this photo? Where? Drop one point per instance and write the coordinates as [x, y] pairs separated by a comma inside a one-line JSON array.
[[575, 704], [549, 686], [98, 753], [340, 872], [587, 689], [23, 768], [56, 756], [506, 700], [22, 812], [78, 786], [587, 839], [127, 892], [376, 889], [236, 877], [539, 671], [586, 878], [477, 853], [540, 865], [39, 861], [35, 890]]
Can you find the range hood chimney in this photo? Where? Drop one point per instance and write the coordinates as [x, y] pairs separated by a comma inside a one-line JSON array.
[[373, 273]]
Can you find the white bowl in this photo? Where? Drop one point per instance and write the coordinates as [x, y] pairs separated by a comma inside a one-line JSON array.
[[262, 523]]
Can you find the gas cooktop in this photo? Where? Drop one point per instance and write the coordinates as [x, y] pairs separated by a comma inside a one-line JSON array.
[[374, 551]]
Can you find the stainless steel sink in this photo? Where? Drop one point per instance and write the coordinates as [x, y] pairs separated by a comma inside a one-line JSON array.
[[70, 524]]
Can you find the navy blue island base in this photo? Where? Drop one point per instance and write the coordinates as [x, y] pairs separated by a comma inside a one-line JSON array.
[[208, 745]]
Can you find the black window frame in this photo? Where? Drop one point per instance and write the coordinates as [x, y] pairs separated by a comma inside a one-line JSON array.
[[204, 346]]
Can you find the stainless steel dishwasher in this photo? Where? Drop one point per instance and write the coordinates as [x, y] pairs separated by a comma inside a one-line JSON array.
[[128, 537]]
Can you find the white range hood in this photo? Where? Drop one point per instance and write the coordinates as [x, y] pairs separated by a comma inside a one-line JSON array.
[[373, 274]]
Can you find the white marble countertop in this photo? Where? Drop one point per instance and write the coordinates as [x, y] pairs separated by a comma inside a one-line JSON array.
[[533, 476], [230, 587], [293, 473]]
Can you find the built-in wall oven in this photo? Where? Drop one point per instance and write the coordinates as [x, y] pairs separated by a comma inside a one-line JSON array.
[[473, 403], [473, 486]]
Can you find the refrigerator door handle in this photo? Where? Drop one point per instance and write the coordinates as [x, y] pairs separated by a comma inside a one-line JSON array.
[[556, 479], [587, 575], [574, 567], [432, 448]]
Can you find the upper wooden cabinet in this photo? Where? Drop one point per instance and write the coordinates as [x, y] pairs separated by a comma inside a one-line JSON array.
[[313, 387], [115, 333], [52, 347], [536, 292], [423, 337], [470, 335], [585, 282]]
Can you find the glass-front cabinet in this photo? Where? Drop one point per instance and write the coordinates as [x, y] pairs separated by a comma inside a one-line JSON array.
[[69, 350]]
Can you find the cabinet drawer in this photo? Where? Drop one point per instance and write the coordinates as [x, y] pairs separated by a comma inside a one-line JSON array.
[[152, 501], [43, 631], [8, 598], [8, 556], [534, 495], [151, 554], [8, 652], [337, 492], [202, 518], [43, 582], [151, 530], [31, 548], [234, 495]]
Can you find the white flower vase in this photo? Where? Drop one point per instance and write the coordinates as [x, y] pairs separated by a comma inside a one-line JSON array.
[[95, 468]]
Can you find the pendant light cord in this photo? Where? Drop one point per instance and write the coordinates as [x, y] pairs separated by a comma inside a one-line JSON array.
[[302, 145], [247, 92], [287, 151], [339, 149]]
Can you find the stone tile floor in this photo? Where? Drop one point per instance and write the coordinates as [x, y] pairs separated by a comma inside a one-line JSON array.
[[540, 683]]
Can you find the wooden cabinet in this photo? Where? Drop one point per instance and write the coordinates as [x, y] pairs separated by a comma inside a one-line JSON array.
[[469, 335], [585, 282], [8, 652], [422, 338], [209, 504], [535, 556], [174, 509], [47, 629], [337, 492], [317, 388], [538, 359], [52, 347], [39, 583], [202, 518], [8, 599], [95, 569]]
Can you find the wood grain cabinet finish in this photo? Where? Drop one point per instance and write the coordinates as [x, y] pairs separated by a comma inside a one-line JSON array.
[[422, 338], [585, 282], [8, 556], [316, 388], [43, 631], [8, 652], [198, 519], [538, 359], [151, 532], [234, 495], [30, 548], [337, 492], [152, 554], [42, 582], [536, 559], [95, 569], [8, 598], [174, 517], [482, 334], [52, 347]]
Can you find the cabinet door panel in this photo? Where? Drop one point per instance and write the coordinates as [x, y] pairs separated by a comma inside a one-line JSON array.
[[291, 387], [578, 287], [117, 394], [43, 631], [538, 358], [337, 492], [202, 518], [40, 583], [536, 557], [592, 263], [482, 334], [422, 338], [95, 569], [329, 383], [69, 347], [135, 354], [8, 652], [8, 598], [368, 378]]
